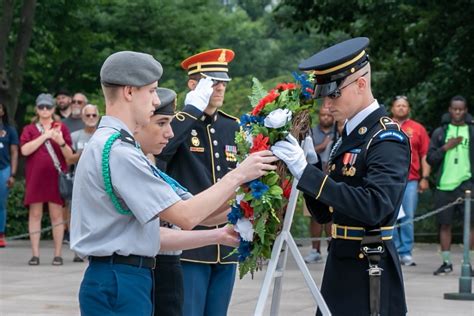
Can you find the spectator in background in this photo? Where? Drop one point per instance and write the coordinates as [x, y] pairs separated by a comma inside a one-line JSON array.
[[8, 165], [417, 177], [80, 138], [451, 153], [323, 139], [41, 174], [63, 103], [74, 121]]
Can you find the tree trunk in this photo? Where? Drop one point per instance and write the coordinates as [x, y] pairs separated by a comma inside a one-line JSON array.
[[5, 27], [19, 56]]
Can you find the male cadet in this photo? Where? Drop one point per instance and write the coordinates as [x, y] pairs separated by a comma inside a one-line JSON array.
[[364, 189], [118, 199], [201, 153]]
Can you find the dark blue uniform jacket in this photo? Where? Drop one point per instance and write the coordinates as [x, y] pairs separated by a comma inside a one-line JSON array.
[[370, 198]]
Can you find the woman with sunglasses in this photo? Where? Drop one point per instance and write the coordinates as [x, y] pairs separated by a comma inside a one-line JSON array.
[[42, 185]]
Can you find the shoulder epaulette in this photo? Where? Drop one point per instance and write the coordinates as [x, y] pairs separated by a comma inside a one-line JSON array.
[[127, 138], [390, 131], [229, 116]]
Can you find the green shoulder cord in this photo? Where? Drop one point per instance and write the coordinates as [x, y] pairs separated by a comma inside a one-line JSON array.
[[106, 175]]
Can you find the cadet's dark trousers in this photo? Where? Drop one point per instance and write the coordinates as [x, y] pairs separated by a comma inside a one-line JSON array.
[[115, 289], [169, 294], [207, 288]]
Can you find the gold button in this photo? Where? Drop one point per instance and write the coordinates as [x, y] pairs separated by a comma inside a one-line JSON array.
[[361, 255]]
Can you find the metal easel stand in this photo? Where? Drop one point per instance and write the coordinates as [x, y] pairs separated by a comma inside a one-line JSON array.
[[277, 265], [465, 280]]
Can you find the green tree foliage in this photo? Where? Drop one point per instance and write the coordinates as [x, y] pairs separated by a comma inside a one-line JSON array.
[[420, 48]]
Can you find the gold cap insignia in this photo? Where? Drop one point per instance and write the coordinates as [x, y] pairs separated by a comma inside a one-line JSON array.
[[221, 57]]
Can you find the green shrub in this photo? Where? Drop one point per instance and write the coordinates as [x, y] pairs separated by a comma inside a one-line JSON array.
[[17, 213]]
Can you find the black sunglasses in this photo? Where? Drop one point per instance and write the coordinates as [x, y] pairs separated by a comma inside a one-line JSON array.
[[398, 97], [337, 93], [91, 115], [44, 106]]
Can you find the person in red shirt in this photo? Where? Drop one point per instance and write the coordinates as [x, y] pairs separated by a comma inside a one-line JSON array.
[[417, 178]]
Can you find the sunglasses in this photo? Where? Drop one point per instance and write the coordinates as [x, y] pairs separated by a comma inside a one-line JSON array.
[[44, 106], [398, 97], [77, 102], [91, 115], [337, 93]]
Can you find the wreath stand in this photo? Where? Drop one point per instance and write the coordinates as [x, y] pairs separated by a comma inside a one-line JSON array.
[[277, 265]]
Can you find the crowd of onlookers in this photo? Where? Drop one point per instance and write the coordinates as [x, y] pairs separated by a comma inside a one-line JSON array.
[[449, 154], [63, 125], [52, 142]]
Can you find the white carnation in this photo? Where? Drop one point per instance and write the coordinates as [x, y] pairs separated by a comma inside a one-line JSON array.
[[245, 228], [277, 118]]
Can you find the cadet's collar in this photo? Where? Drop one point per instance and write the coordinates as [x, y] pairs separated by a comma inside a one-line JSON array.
[[359, 117], [208, 119], [113, 122]]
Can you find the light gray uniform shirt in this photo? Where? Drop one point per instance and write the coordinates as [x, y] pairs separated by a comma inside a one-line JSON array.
[[97, 229]]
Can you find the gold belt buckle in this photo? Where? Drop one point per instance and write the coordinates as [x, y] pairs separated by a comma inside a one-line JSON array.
[[334, 231]]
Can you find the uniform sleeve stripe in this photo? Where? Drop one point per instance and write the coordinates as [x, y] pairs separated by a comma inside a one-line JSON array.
[[321, 187]]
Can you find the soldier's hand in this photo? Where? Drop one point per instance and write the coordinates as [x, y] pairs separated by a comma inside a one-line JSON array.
[[292, 154], [199, 97], [452, 142], [256, 165], [228, 236]]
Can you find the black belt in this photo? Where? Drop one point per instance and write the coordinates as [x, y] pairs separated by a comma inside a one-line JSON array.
[[132, 260]]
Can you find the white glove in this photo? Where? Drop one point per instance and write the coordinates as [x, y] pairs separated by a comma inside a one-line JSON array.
[[308, 148], [199, 97], [292, 155]]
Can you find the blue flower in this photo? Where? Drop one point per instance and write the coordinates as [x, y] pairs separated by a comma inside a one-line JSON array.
[[244, 250], [305, 84], [258, 189], [234, 214], [247, 119]]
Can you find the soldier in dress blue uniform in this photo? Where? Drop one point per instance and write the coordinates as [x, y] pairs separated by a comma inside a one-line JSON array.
[[364, 190], [204, 146], [119, 198]]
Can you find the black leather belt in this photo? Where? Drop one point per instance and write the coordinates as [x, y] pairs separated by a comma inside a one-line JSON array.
[[132, 260]]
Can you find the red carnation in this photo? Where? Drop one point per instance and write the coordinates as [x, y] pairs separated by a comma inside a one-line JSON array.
[[269, 98], [285, 86], [259, 143], [286, 186], [248, 210]]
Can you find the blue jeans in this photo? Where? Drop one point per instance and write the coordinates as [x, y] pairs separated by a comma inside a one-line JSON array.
[[207, 288], [403, 236], [4, 175]]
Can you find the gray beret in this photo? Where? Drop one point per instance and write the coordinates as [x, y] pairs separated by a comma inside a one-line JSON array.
[[167, 98], [130, 69], [45, 99]]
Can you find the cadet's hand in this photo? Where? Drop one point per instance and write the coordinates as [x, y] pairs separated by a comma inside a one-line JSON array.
[[199, 97], [292, 154], [228, 236], [452, 142], [256, 165], [308, 148]]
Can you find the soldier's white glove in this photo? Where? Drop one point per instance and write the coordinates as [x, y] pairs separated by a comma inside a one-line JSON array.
[[199, 97], [308, 148], [292, 155]]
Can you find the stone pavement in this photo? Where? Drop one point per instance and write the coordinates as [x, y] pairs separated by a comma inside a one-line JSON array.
[[50, 290]]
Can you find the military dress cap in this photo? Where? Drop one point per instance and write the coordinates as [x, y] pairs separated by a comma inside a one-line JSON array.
[[211, 64], [331, 65], [168, 101], [128, 68], [45, 99]]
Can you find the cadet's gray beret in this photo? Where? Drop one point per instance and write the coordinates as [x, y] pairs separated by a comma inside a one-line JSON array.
[[167, 98], [45, 99], [130, 69]]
